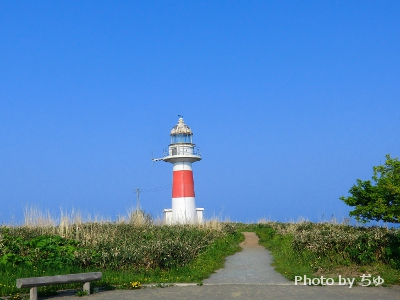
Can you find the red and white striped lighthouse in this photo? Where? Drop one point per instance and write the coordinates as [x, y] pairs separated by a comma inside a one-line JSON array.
[[182, 153]]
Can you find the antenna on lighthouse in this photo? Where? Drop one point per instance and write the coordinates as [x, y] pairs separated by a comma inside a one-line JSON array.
[[152, 159]]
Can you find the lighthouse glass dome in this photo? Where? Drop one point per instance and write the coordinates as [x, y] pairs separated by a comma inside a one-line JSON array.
[[181, 147], [181, 133], [181, 138]]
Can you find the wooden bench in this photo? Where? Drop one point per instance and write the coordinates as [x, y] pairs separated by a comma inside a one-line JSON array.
[[34, 282]]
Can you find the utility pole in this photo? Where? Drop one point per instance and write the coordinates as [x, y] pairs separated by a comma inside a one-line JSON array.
[[137, 191]]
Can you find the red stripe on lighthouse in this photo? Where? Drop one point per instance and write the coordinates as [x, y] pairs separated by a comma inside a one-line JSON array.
[[182, 184]]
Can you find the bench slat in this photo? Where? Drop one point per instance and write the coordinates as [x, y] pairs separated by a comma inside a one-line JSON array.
[[58, 279]]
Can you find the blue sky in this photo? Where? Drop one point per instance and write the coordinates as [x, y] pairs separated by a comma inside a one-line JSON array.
[[289, 101]]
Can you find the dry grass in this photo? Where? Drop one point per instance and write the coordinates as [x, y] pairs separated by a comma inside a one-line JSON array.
[[89, 231], [33, 217]]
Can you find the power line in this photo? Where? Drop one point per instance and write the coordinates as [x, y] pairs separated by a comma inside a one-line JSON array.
[[137, 191], [161, 188]]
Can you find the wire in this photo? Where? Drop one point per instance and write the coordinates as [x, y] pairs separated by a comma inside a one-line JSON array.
[[157, 189]]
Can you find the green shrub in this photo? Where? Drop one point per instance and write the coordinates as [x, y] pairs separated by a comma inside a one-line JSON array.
[[392, 250], [49, 251], [316, 249], [325, 244]]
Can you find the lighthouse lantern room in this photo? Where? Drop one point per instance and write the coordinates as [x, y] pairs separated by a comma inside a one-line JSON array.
[[182, 153]]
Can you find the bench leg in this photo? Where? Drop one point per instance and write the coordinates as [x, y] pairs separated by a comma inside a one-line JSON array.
[[33, 293], [86, 287]]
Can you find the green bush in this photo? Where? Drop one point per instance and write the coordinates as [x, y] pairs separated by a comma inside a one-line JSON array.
[[392, 250], [49, 251], [325, 243]]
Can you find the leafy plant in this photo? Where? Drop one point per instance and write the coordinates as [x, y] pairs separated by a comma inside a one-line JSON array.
[[379, 199], [50, 251], [81, 293]]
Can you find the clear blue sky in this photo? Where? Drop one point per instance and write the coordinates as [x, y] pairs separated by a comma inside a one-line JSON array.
[[289, 101]]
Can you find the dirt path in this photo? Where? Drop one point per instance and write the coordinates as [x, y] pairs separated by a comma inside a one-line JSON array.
[[252, 266]]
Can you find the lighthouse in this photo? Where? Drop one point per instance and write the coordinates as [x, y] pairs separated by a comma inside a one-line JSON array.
[[181, 153]]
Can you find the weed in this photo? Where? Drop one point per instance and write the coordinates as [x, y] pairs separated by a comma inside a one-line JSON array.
[[135, 284], [81, 293]]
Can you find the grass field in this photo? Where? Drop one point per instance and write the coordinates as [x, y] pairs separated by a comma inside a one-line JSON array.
[[125, 253], [135, 251]]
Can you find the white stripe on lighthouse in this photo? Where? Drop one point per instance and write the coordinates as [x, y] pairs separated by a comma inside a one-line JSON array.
[[182, 166], [183, 201]]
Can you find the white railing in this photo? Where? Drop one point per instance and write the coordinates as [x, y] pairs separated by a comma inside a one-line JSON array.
[[182, 151]]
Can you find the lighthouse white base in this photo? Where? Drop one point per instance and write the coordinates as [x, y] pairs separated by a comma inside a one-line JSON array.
[[169, 220], [184, 210]]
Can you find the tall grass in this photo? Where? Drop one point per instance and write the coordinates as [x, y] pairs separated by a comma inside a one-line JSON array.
[[130, 249]]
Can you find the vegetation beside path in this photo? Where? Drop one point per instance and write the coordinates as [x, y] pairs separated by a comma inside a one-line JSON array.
[[330, 250], [127, 254], [133, 254]]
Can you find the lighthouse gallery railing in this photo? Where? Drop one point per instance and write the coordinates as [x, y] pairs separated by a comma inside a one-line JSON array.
[[181, 151]]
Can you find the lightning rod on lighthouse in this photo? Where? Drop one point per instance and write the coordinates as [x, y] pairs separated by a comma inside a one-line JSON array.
[[182, 153]]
